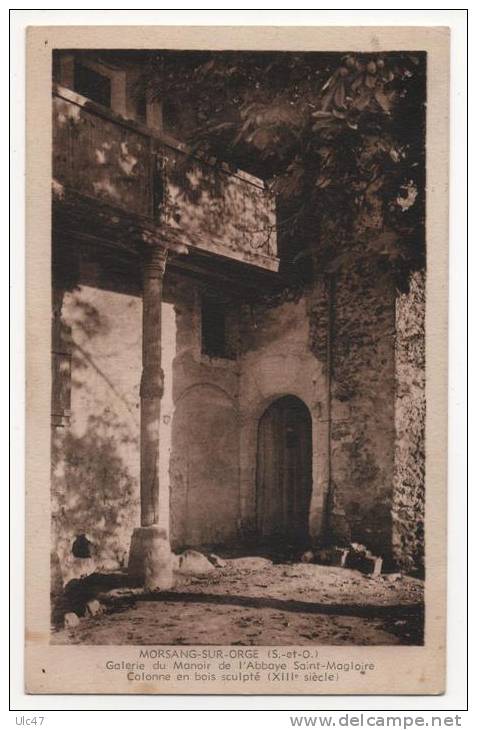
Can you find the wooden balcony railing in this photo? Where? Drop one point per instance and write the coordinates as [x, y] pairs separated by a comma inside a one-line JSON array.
[[99, 155]]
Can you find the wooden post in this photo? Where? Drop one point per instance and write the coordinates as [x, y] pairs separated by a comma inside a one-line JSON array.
[[152, 383], [150, 559]]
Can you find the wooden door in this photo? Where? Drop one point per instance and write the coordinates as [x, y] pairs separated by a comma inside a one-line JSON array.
[[284, 471]]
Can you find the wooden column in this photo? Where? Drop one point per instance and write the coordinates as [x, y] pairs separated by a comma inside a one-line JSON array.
[[150, 559], [152, 383]]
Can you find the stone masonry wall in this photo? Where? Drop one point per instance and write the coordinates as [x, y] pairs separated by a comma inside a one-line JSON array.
[[410, 412], [362, 408]]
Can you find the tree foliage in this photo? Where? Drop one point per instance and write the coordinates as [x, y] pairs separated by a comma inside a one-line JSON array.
[[340, 138]]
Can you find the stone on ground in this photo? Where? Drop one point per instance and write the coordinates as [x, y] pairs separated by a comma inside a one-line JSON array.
[[250, 563], [217, 561], [392, 577], [71, 620], [93, 608], [191, 562]]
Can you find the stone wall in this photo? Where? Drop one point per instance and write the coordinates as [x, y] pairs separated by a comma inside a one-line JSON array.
[[362, 408], [410, 412]]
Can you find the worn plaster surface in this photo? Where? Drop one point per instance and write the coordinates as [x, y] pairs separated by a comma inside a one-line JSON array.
[[95, 476]]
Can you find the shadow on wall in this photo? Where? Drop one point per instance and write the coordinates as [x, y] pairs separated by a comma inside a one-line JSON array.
[[207, 203], [92, 494], [95, 488]]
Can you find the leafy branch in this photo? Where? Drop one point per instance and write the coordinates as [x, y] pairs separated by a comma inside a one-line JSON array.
[[339, 138]]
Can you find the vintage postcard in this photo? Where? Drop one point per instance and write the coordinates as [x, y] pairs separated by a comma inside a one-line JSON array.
[[237, 366]]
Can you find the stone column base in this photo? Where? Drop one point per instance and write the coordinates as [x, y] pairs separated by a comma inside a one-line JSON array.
[[150, 559]]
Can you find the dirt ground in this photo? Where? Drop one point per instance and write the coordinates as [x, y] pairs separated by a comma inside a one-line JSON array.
[[269, 604]]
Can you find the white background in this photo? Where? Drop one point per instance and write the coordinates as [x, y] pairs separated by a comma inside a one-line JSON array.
[[275, 711]]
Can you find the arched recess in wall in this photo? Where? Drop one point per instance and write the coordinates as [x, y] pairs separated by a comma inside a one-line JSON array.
[[204, 468], [284, 472]]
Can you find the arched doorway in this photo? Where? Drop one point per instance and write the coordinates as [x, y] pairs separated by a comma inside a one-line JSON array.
[[284, 472]]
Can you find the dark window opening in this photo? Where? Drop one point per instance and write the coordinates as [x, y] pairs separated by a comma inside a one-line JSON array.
[[215, 331], [93, 85], [177, 119], [170, 116], [141, 108], [56, 68]]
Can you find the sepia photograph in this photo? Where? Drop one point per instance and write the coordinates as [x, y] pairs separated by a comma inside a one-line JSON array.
[[238, 339]]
